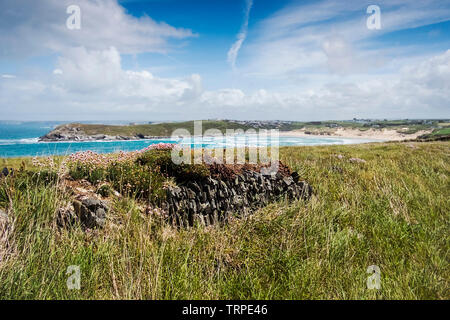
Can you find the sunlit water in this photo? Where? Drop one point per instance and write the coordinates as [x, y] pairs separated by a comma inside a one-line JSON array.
[[19, 139]]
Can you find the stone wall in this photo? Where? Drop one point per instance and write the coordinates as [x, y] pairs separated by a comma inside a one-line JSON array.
[[211, 200]]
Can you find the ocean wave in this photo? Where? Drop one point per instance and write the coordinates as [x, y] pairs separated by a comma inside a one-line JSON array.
[[4, 142], [32, 146]]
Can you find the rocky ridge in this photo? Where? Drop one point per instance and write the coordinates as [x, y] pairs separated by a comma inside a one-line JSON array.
[[211, 201], [208, 201], [73, 133]]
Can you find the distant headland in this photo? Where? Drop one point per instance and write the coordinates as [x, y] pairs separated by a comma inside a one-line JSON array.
[[356, 128]]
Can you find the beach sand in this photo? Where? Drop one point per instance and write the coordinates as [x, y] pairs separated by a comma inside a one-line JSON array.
[[378, 134]]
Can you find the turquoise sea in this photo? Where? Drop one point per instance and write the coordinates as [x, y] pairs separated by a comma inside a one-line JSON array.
[[19, 139]]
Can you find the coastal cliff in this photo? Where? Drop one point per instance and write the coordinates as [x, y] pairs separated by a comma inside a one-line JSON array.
[[386, 130], [76, 132], [93, 132]]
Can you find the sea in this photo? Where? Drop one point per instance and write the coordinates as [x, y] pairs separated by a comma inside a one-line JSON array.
[[21, 139]]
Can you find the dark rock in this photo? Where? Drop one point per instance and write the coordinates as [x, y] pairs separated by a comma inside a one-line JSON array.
[[213, 200], [91, 212], [66, 217], [288, 181], [223, 185], [212, 181], [174, 192], [98, 137], [94, 204], [5, 172], [191, 194], [213, 204], [195, 187], [193, 206]]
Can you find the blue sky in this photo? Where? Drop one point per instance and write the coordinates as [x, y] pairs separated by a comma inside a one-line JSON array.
[[239, 59], [215, 23]]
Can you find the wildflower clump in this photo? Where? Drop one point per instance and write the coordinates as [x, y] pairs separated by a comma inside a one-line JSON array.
[[123, 171]]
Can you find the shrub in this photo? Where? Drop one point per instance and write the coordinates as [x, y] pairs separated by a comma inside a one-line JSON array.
[[92, 174], [140, 174], [136, 180], [181, 172], [104, 190]]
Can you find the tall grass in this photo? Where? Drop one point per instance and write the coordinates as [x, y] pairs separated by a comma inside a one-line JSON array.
[[392, 211]]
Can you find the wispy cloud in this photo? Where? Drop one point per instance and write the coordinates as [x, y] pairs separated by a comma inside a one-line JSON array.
[[306, 39], [234, 50]]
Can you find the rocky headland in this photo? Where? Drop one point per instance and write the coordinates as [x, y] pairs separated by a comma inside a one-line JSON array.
[[71, 132], [379, 130]]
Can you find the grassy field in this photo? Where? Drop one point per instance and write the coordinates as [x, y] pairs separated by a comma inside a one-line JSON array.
[[392, 211], [166, 129], [160, 129], [442, 132]]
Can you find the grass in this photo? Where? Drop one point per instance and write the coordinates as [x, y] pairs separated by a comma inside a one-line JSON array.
[[160, 129], [166, 129], [392, 211], [441, 132]]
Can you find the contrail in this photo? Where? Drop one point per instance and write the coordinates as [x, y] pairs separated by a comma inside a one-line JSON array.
[[233, 52]]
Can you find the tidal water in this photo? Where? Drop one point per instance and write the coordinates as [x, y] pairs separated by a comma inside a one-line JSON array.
[[20, 139]]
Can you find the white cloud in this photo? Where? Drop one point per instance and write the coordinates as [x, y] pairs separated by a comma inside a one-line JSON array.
[[421, 90], [39, 27], [433, 73], [90, 71], [8, 76], [307, 69], [101, 73], [328, 35], [93, 83]]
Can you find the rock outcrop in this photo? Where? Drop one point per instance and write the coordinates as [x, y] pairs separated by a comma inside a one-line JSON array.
[[74, 133], [229, 190], [211, 200], [91, 213], [70, 132], [6, 172], [64, 133]]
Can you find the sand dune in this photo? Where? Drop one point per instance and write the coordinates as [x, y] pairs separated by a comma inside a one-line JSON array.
[[381, 134]]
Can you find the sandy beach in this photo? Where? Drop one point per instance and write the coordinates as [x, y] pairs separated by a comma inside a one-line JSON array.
[[379, 134]]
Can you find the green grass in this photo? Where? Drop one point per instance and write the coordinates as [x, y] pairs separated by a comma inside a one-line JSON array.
[[166, 129], [15, 162], [392, 211], [160, 129], [441, 132]]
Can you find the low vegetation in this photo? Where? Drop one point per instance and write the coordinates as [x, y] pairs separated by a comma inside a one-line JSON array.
[[166, 129], [390, 210], [158, 129]]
